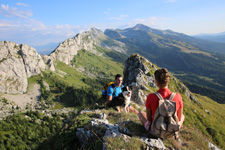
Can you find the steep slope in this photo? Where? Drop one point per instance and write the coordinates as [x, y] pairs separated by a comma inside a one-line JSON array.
[[87, 40], [176, 52]]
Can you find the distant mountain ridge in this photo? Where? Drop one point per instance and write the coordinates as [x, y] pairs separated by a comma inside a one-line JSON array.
[[46, 49], [210, 34], [217, 37]]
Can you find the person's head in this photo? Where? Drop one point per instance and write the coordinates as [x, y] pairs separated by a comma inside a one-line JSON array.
[[118, 80], [162, 77]]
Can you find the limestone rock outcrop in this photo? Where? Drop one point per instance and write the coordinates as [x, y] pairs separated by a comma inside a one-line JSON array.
[[87, 40], [138, 74], [49, 62], [17, 63], [32, 60], [84, 135], [13, 77]]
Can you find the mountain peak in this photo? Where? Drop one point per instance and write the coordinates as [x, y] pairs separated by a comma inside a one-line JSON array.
[[95, 30], [142, 27]]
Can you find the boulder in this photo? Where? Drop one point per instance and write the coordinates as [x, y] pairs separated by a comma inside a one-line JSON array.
[[112, 130]]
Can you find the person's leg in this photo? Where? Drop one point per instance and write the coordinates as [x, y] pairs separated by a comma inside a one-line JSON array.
[[132, 110], [142, 116], [181, 121]]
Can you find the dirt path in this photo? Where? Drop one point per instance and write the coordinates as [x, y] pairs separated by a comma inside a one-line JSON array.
[[22, 100]]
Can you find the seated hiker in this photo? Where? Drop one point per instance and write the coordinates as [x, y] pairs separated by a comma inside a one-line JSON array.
[[162, 78], [114, 90]]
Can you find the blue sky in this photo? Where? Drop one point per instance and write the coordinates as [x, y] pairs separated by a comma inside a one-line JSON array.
[[38, 22]]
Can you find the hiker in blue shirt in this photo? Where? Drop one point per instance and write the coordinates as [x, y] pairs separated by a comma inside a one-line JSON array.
[[115, 89]]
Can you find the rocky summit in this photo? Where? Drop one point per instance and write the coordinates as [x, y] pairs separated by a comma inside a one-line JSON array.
[[137, 74]]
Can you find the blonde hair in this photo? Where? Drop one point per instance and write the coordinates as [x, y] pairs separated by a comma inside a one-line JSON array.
[[162, 76]]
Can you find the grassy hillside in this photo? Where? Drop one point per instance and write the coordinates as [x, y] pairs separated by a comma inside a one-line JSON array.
[[199, 125], [93, 65], [71, 86], [204, 119]]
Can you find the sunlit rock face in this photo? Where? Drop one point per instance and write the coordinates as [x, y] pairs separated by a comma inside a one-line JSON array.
[[32, 60], [87, 40], [17, 63]]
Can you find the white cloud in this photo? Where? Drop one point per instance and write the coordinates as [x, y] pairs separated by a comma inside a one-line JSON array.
[[123, 16], [107, 11], [33, 32], [5, 24], [151, 21], [119, 18], [7, 11], [22, 4]]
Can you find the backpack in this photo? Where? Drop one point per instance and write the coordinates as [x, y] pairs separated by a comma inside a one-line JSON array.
[[165, 122], [104, 92]]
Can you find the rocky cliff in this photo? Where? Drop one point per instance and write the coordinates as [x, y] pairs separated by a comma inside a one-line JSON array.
[[137, 74], [17, 63], [32, 60], [87, 40]]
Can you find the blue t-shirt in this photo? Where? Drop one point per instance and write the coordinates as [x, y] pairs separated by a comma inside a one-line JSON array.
[[118, 90]]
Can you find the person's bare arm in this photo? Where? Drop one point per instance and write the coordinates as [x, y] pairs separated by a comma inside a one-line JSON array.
[[180, 116], [109, 98]]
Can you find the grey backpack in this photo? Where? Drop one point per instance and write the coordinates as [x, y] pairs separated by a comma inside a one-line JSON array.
[[165, 122]]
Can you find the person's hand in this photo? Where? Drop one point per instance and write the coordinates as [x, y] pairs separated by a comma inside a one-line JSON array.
[[147, 125]]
